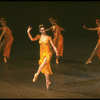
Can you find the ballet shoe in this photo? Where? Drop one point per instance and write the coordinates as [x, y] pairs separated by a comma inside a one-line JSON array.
[[88, 61], [47, 85], [35, 77]]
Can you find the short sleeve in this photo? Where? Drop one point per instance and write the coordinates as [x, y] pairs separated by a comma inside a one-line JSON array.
[[38, 36], [50, 38]]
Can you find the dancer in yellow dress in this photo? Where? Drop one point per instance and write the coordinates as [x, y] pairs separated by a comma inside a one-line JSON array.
[[45, 42]]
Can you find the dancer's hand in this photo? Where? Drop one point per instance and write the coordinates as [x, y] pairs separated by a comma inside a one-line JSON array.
[[64, 30], [29, 28], [57, 54], [51, 27], [84, 26]]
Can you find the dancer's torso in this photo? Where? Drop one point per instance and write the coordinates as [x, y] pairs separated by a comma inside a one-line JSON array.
[[8, 32], [56, 30], [45, 45]]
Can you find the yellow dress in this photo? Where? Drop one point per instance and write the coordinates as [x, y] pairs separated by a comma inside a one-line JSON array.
[[46, 51]]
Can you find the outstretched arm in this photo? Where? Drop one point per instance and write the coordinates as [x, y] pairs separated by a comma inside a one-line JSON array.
[[62, 29], [89, 28], [48, 29], [31, 38], [51, 42]]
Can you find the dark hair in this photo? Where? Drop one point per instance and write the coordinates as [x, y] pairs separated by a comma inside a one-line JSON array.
[[51, 19], [97, 21], [2, 20], [40, 26]]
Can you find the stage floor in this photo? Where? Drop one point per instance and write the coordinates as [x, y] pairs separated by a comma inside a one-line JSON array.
[[72, 78]]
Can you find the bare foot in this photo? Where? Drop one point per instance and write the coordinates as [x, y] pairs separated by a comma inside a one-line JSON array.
[[5, 60], [88, 61]]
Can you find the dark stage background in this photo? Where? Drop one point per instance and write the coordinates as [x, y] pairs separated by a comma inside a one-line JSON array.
[[71, 15]]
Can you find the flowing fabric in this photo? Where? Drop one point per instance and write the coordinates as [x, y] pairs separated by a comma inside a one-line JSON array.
[[58, 39], [45, 51], [5, 45]]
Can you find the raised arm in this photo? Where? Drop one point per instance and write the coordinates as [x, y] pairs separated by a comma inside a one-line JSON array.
[[94, 29], [31, 38], [55, 49]]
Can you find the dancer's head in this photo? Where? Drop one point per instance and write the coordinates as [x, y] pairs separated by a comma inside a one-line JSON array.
[[52, 21], [3, 21], [98, 22], [42, 29]]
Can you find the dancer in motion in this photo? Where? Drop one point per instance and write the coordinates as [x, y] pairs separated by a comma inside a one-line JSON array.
[[96, 51], [5, 45], [58, 38], [45, 42]]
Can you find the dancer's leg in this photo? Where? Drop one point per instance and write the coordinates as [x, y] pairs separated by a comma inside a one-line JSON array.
[[93, 54], [40, 69], [47, 81]]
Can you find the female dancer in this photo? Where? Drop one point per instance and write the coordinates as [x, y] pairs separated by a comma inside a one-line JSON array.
[[5, 45], [45, 42], [58, 38], [97, 48]]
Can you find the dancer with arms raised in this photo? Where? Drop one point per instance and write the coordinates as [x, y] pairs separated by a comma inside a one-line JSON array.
[[96, 51], [45, 42]]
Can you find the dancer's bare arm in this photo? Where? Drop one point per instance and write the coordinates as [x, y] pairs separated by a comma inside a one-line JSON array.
[[31, 38], [94, 29], [48, 29], [62, 29]]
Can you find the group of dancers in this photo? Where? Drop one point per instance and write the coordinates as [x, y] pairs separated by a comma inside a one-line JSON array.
[[47, 45]]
